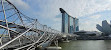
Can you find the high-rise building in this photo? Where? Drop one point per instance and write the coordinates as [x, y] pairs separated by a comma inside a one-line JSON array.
[[76, 22], [69, 23]]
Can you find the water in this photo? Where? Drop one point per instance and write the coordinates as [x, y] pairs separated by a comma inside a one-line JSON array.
[[87, 45]]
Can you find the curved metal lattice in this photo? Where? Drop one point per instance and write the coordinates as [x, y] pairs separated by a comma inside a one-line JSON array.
[[19, 31]]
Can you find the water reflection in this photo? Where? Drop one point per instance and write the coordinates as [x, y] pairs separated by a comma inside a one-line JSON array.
[[87, 45]]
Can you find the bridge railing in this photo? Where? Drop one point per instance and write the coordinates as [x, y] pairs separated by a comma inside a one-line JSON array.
[[20, 30]]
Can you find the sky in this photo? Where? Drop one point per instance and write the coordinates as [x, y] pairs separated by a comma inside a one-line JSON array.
[[89, 12]]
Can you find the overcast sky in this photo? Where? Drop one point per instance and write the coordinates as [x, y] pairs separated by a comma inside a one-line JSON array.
[[89, 12]]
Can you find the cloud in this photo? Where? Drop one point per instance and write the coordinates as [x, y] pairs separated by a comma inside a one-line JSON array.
[[47, 11], [95, 16], [20, 4], [89, 23]]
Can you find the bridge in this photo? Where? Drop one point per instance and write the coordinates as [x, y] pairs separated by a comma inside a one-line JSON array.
[[19, 31]]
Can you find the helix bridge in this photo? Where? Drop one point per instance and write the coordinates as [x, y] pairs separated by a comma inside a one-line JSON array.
[[19, 31]]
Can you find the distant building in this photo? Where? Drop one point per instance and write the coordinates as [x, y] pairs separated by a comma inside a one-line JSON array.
[[105, 28], [69, 23], [76, 24]]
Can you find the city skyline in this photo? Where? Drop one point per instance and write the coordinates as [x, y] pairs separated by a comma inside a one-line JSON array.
[[47, 12], [55, 25]]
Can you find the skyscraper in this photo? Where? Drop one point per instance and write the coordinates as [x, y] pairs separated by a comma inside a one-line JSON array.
[[76, 22], [69, 23]]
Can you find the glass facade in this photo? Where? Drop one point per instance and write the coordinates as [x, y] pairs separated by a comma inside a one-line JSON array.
[[77, 27], [76, 24], [69, 23], [66, 22]]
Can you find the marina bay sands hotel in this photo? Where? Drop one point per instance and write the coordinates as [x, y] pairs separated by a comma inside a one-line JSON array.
[[69, 23]]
